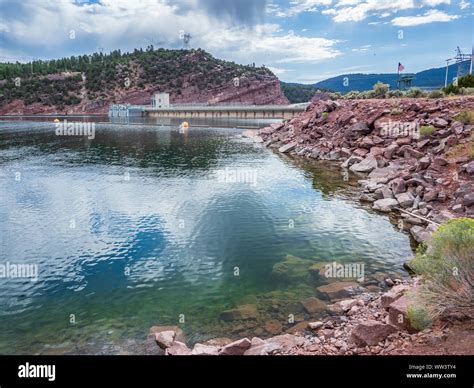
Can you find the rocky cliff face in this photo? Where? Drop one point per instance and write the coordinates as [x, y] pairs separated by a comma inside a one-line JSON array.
[[415, 156], [190, 76]]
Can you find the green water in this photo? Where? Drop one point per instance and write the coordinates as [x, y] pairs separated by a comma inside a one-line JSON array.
[[161, 238]]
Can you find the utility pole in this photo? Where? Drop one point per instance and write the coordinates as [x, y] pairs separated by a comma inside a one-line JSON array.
[[446, 77], [472, 56]]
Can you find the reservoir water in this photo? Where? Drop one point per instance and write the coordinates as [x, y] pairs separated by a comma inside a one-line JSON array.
[[149, 225]]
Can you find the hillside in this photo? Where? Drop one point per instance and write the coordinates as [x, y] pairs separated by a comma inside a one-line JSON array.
[[297, 93], [431, 78], [88, 84]]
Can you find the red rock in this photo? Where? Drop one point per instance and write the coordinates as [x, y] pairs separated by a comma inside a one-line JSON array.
[[371, 333], [236, 348]]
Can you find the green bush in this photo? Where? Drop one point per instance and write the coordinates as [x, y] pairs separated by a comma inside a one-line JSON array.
[[446, 266], [466, 81], [451, 89], [381, 89], [427, 130], [466, 117], [436, 94], [419, 317], [394, 93], [415, 93], [353, 94]]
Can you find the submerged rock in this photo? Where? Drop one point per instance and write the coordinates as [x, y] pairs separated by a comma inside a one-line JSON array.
[[292, 269], [244, 312], [313, 305], [338, 290]]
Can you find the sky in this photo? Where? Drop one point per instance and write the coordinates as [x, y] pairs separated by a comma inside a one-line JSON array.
[[302, 41]]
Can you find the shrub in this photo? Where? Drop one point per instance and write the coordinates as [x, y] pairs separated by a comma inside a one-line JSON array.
[[427, 130], [415, 93], [394, 93], [451, 89], [436, 94], [466, 81], [447, 269], [419, 317], [466, 117], [367, 94], [325, 115], [380, 89], [353, 94]]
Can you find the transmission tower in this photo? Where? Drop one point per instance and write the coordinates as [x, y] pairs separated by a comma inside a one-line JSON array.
[[186, 38], [460, 60]]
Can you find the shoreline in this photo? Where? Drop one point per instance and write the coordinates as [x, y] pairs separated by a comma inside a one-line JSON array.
[[423, 180]]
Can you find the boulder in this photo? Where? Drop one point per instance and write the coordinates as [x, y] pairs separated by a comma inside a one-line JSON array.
[[338, 290], [405, 199], [431, 195], [179, 334], [165, 339], [244, 312], [391, 150], [358, 129], [397, 186], [385, 205], [313, 305], [392, 295], [367, 165], [347, 304], [287, 147], [397, 314], [468, 199], [205, 350], [285, 343], [420, 234], [371, 333], [236, 348], [262, 349], [315, 325], [350, 161], [178, 349]]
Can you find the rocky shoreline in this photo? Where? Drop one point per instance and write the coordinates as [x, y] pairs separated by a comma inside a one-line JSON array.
[[370, 323], [414, 158]]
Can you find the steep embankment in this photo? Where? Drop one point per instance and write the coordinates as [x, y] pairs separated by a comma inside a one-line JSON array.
[[415, 156], [88, 84]]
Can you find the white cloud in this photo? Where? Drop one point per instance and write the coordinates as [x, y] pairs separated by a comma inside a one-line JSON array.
[[428, 17], [300, 6], [278, 70], [463, 4], [113, 24], [271, 47]]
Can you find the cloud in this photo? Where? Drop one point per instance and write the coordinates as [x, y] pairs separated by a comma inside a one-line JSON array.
[[268, 44], [428, 17], [43, 30], [463, 4], [358, 10], [298, 6], [278, 70]]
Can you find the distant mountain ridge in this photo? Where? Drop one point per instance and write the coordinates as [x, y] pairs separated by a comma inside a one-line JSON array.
[[89, 84], [431, 78]]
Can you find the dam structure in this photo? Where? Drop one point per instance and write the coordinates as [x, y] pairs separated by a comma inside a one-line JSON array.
[[162, 108]]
